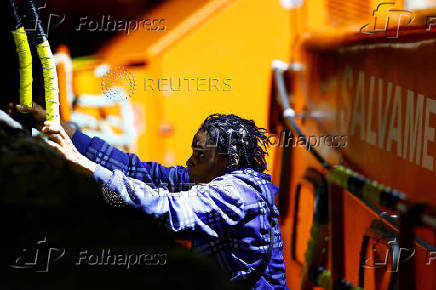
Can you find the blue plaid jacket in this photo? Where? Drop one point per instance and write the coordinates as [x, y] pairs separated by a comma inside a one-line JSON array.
[[233, 217]]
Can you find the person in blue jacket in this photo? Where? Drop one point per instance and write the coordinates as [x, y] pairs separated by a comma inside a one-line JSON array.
[[222, 201]]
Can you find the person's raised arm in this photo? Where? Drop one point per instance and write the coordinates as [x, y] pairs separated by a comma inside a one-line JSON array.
[[206, 207], [100, 152]]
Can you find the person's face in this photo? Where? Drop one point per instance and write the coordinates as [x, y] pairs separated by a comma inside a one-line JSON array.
[[205, 163]]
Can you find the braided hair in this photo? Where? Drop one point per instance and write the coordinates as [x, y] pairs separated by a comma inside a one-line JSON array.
[[237, 136]]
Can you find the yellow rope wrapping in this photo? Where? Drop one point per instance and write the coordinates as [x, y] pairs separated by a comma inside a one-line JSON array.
[[323, 279], [339, 175], [312, 243], [371, 191], [50, 81], [25, 63]]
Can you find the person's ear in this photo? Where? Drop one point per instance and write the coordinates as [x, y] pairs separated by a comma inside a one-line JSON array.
[[235, 159], [233, 162]]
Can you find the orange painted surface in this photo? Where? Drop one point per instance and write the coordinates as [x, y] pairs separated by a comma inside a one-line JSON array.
[[380, 94], [200, 51], [64, 103], [339, 92]]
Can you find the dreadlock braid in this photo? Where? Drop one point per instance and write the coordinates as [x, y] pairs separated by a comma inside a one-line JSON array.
[[237, 136]]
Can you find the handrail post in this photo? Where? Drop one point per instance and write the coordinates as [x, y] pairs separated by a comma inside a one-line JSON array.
[[336, 225]]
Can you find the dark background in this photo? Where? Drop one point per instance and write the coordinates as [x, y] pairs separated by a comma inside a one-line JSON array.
[[80, 42]]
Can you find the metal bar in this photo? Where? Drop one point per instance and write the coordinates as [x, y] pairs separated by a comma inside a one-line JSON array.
[[289, 113], [336, 246]]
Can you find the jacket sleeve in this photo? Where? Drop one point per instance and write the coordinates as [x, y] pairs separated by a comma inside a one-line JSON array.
[[97, 150], [208, 208]]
